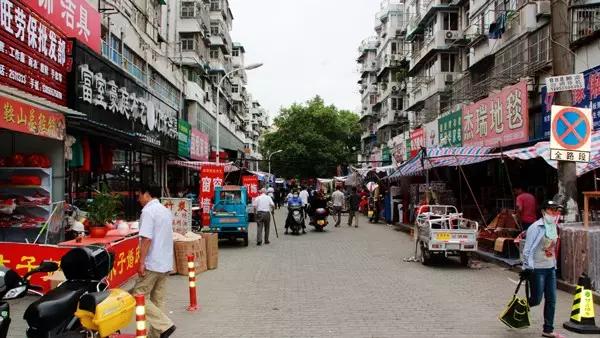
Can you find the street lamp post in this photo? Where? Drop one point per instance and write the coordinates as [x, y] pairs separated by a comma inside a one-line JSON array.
[[273, 153], [218, 114]]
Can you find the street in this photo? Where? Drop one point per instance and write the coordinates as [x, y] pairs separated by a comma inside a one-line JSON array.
[[345, 282]]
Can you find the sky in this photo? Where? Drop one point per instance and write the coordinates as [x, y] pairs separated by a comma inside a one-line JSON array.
[[308, 47]]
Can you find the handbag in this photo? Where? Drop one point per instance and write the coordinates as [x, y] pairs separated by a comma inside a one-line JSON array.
[[516, 313]]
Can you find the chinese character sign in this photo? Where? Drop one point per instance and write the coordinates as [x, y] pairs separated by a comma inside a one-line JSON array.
[[211, 176], [251, 184], [24, 118], [199, 146], [450, 129], [76, 18], [431, 134], [417, 140], [501, 119], [181, 208], [184, 132]]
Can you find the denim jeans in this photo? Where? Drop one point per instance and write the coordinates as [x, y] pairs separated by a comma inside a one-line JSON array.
[[543, 283]]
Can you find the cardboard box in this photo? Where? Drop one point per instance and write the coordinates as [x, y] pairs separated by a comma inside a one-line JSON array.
[[190, 247], [212, 249]]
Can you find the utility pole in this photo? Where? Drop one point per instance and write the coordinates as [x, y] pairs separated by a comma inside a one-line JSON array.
[[563, 64]]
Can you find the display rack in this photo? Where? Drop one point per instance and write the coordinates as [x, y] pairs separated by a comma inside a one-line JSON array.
[[44, 189]]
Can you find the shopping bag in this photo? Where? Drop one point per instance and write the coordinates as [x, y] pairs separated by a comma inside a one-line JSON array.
[[516, 313]]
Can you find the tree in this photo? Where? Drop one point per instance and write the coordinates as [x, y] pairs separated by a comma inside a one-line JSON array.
[[315, 139]]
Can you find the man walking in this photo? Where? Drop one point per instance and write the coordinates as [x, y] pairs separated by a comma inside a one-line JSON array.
[[526, 207], [338, 199], [264, 205], [354, 200], [156, 260], [304, 197]]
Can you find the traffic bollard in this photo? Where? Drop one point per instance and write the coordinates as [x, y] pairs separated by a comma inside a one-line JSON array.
[[140, 316], [192, 276]]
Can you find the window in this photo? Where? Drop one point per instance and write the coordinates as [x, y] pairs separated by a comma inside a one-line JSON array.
[[214, 28], [448, 62], [397, 103], [236, 52], [235, 89], [450, 21], [394, 48], [187, 9], [187, 41], [215, 5], [214, 52], [115, 49], [134, 64], [373, 99]]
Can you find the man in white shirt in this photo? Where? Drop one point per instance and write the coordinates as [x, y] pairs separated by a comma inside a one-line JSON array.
[[304, 197], [156, 260], [264, 205], [339, 199]]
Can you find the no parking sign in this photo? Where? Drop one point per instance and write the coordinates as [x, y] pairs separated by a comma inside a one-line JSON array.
[[570, 134]]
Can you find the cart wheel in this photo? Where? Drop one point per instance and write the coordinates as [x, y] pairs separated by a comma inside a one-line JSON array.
[[425, 255], [464, 259], [245, 238]]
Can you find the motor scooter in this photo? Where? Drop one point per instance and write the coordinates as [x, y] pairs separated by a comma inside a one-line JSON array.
[[13, 286], [320, 219], [295, 222], [82, 306]]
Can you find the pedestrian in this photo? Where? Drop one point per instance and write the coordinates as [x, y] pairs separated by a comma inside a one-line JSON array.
[[264, 206], [526, 207], [338, 199], [156, 260], [353, 202], [539, 263], [304, 197]]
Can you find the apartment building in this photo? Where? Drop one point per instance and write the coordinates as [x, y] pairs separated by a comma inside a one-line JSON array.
[[383, 61]]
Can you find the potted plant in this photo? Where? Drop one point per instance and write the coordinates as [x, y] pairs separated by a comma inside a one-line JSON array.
[[102, 210]]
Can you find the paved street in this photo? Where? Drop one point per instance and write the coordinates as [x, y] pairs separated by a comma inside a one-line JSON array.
[[345, 282]]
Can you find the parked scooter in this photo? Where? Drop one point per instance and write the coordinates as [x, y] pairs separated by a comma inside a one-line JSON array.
[[320, 219], [295, 222], [82, 306], [373, 213], [13, 286]]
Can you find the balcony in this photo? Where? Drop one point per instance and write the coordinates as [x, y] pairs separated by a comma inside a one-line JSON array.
[[425, 86], [440, 40], [585, 23]]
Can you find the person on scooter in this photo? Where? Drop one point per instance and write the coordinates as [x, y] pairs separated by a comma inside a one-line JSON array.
[[295, 200], [319, 201]]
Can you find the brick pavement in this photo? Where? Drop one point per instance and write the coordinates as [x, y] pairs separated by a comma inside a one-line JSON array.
[[345, 282]]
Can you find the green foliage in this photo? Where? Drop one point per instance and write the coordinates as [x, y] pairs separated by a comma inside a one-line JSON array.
[[104, 208], [315, 138]]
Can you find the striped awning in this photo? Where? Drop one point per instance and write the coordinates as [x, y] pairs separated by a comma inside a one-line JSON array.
[[197, 165]]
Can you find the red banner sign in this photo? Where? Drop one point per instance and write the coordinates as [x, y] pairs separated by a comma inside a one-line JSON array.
[[251, 184], [417, 140], [501, 119], [77, 18], [200, 146], [211, 176], [24, 257], [24, 118], [33, 53]]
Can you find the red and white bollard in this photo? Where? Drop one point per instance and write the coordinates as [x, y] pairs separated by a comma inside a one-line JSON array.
[[192, 277], [140, 316]]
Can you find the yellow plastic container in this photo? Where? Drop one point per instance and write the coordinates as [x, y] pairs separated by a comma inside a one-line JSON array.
[[112, 314]]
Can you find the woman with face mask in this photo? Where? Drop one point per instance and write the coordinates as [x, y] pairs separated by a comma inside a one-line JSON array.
[[539, 263]]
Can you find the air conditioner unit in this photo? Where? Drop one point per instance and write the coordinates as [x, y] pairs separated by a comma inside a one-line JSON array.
[[543, 8], [451, 35], [394, 89], [449, 78]]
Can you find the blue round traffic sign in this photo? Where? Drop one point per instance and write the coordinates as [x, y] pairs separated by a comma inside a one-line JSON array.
[[571, 128]]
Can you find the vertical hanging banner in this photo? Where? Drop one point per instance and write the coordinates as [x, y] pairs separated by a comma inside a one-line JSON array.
[[181, 208], [211, 176], [417, 140], [251, 184]]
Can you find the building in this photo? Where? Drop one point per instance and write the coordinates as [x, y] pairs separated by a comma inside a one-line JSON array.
[[383, 61]]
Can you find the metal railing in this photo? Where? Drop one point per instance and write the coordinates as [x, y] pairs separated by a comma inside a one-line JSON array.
[[585, 22]]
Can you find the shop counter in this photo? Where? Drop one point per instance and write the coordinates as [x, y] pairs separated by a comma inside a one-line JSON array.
[[23, 257]]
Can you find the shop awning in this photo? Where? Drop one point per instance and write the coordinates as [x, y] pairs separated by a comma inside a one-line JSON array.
[[260, 174], [388, 169], [197, 165], [40, 102]]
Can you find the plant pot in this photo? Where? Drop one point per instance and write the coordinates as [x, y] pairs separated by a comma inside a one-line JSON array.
[[98, 232]]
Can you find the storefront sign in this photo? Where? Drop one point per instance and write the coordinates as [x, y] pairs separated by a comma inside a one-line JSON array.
[[407, 149], [200, 146], [33, 52], [570, 137], [386, 157], [431, 134], [589, 97], [184, 135], [181, 208], [417, 141], [499, 120], [25, 118], [127, 260], [450, 129], [76, 18], [563, 83], [251, 184], [211, 176], [110, 97], [399, 145]]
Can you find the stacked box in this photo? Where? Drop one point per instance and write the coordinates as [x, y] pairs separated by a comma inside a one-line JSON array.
[[195, 247], [212, 249]]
